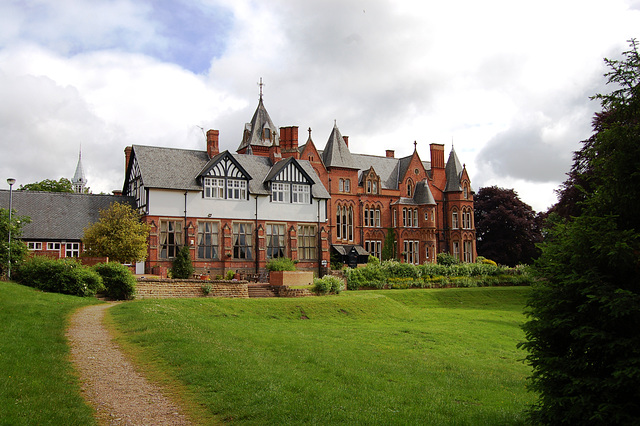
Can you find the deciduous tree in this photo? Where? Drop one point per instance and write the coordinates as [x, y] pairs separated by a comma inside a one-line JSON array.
[[118, 234], [49, 185], [582, 334], [18, 248], [507, 229]]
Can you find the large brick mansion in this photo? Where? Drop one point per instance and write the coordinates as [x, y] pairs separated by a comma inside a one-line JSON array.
[[274, 197]]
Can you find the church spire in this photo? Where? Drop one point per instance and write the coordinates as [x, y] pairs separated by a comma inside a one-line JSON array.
[[79, 181]]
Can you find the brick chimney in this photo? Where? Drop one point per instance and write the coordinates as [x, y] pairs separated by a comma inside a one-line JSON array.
[[390, 153], [127, 157], [437, 156], [346, 140], [289, 141], [212, 143], [274, 153]]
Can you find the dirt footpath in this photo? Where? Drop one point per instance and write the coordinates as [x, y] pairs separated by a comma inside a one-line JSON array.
[[110, 384]]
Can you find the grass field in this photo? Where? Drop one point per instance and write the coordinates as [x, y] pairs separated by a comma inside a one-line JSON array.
[[37, 385], [369, 357]]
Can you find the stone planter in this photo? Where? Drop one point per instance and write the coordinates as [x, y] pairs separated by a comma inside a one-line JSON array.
[[290, 278]]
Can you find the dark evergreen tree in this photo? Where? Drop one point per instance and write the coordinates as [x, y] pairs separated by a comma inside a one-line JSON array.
[[507, 229], [583, 332], [388, 249], [182, 265]]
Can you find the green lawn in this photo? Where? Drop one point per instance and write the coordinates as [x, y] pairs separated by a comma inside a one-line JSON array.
[[37, 385], [368, 357]]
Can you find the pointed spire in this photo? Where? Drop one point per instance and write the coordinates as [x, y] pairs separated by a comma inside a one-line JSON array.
[[79, 180], [453, 172], [336, 152]]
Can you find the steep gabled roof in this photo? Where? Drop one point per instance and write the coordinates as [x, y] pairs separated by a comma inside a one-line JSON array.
[[453, 173], [170, 168], [336, 152], [57, 216], [254, 130]]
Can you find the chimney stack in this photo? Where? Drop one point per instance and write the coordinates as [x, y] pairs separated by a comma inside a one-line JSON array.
[[391, 153], [212, 143], [437, 155], [127, 157], [346, 140]]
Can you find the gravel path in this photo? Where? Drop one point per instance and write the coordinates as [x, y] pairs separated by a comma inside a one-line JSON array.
[[109, 381]]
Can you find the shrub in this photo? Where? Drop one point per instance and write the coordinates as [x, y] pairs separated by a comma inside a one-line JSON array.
[[182, 266], [482, 259], [447, 259], [281, 264], [66, 276], [119, 282], [328, 284], [229, 275]]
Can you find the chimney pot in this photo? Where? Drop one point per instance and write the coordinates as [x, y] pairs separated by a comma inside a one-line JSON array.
[[391, 153]]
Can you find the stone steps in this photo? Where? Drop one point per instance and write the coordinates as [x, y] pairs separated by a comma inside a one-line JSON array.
[[260, 290]]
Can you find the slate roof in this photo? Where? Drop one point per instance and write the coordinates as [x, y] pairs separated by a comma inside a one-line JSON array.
[[173, 168], [336, 152], [170, 168], [57, 216], [453, 172], [422, 194], [259, 121]]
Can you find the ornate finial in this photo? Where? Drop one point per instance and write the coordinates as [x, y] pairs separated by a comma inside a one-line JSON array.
[[335, 122], [415, 145], [309, 130], [260, 84]]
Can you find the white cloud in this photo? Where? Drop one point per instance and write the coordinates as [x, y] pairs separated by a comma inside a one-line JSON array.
[[507, 81]]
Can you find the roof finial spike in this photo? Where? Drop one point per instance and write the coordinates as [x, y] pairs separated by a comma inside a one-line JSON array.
[[260, 84], [335, 123], [309, 130], [415, 146]]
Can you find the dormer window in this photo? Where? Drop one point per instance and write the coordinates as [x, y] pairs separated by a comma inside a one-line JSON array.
[[409, 189], [280, 192], [213, 188], [266, 133], [466, 192], [236, 189]]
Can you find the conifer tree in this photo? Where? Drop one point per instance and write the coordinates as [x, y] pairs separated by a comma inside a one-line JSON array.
[[583, 333]]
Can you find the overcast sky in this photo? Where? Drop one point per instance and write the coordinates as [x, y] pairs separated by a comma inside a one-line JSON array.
[[507, 82]]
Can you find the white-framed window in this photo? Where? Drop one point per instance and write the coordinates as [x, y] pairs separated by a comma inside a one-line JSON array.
[[374, 188], [213, 187], [374, 247], [344, 223], [242, 238], [236, 189], [280, 192], [34, 245], [415, 218], [411, 250], [404, 217], [276, 246], [395, 218], [456, 249], [307, 242], [208, 240], [426, 252], [369, 186], [366, 217], [347, 185], [377, 217], [454, 220], [170, 238], [468, 251], [53, 246], [340, 185], [466, 192], [300, 194], [72, 250]]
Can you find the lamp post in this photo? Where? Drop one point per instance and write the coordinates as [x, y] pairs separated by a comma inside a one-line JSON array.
[[10, 181]]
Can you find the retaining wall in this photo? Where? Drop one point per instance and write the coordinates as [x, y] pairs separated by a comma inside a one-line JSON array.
[[148, 288]]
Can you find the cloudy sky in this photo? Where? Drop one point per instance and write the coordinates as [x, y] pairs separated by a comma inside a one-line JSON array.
[[507, 82]]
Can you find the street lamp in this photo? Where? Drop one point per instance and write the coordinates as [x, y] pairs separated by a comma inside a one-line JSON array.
[[10, 181]]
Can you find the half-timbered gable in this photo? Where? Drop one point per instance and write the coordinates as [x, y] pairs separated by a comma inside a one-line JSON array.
[[224, 178], [289, 183]]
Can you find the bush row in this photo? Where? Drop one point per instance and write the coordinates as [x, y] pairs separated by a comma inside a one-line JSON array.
[[328, 284], [68, 276], [393, 274]]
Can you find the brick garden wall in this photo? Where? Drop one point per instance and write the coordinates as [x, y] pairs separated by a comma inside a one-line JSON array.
[[165, 288]]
